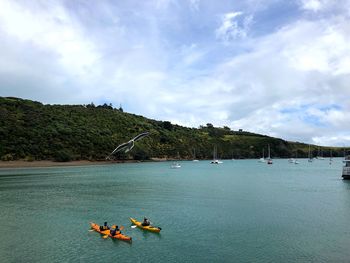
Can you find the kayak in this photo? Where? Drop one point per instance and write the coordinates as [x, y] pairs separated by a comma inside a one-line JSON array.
[[149, 228], [119, 236]]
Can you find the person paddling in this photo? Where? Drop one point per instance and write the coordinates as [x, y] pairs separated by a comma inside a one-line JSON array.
[[104, 227], [115, 230], [146, 222]]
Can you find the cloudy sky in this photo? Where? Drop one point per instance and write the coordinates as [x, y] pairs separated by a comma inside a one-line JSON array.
[[276, 67]]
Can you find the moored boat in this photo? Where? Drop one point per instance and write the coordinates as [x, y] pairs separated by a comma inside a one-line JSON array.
[[215, 159], [262, 159], [346, 168], [175, 165], [269, 160], [309, 155]]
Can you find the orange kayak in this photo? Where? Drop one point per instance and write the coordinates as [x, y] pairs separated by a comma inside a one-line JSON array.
[[149, 228], [119, 236]]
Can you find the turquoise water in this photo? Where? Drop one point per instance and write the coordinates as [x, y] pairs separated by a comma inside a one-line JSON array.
[[239, 211]]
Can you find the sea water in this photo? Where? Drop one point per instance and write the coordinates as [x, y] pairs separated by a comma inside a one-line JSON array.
[[237, 211]]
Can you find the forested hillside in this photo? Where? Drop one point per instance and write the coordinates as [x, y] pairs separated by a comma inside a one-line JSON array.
[[33, 131]]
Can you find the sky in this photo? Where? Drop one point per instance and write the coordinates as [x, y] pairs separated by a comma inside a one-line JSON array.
[[274, 67]]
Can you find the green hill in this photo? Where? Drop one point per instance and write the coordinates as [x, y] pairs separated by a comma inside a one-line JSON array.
[[33, 131]]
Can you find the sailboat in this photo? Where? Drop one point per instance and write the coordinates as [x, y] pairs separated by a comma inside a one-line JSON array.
[[346, 167], [296, 158], [215, 159], [310, 159], [319, 157], [262, 159], [176, 165], [330, 158], [194, 156], [269, 160]]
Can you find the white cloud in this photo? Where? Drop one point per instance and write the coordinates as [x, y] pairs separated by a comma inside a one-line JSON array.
[[304, 63], [313, 5], [324, 6], [53, 31], [291, 83], [230, 28]]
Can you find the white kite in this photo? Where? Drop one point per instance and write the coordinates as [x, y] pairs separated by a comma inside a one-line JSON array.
[[127, 146]]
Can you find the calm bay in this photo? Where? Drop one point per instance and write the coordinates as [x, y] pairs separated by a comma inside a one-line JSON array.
[[238, 211]]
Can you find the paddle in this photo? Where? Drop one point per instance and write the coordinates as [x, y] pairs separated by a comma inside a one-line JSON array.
[[134, 226]]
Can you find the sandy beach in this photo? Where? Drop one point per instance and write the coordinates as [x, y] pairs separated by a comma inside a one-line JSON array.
[[47, 163], [23, 164]]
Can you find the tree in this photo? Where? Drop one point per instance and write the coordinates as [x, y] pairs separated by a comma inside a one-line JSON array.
[[167, 125]]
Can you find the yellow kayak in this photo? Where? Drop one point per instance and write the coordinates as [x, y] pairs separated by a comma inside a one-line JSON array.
[[148, 228]]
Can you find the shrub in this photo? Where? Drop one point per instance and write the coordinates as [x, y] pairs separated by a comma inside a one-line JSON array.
[[7, 157], [63, 156]]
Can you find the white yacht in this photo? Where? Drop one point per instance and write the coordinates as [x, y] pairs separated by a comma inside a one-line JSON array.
[[262, 159], [320, 156], [215, 159], [296, 158], [346, 168], [310, 159], [194, 156], [269, 160], [175, 165]]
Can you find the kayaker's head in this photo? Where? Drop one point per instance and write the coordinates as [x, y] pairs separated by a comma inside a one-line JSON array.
[[105, 224]]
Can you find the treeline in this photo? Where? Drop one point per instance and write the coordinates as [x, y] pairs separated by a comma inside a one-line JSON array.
[[30, 130]]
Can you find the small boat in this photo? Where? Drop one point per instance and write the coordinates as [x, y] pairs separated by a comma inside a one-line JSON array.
[[119, 236], [148, 228], [194, 156], [310, 159], [175, 165], [262, 159], [346, 168], [269, 160], [215, 159], [319, 156], [296, 158]]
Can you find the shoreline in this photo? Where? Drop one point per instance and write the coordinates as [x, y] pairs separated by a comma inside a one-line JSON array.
[[48, 163]]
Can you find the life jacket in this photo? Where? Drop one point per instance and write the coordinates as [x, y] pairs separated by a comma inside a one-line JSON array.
[[115, 231], [104, 228]]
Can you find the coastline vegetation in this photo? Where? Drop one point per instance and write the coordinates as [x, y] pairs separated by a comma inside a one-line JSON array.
[[30, 130]]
